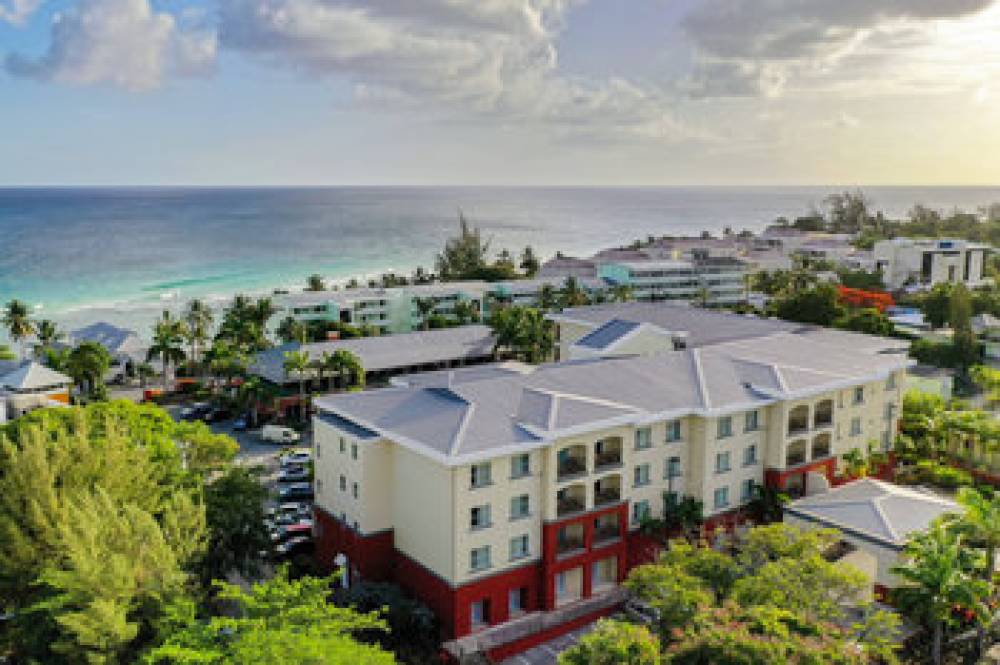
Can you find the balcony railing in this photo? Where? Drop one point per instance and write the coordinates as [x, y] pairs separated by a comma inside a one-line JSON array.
[[571, 466], [568, 506], [606, 496], [607, 460], [567, 545], [795, 458], [603, 534]]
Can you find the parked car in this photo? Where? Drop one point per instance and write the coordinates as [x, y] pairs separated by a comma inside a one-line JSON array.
[[240, 424], [297, 508], [195, 411], [215, 415], [296, 545], [294, 474], [296, 491], [279, 434], [297, 458], [286, 531]]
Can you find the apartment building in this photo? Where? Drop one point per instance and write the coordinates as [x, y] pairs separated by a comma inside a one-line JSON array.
[[925, 262], [509, 500], [716, 280]]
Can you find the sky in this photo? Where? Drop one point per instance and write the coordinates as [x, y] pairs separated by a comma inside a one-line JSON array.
[[499, 92]]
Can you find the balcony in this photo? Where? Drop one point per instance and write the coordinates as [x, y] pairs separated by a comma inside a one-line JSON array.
[[607, 454], [607, 491], [824, 414], [606, 529], [796, 453], [798, 420], [571, 462], [821, 446], [572, 499], [569, 539]]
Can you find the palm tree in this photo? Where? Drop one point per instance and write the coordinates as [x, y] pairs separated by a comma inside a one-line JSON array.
[[349, 365], [291, 330], [547, 297], [198, 321], [47, 333], [466, 312], [87, 364], [425, 307], [572, 294], [16, 320], [298, 364], [937, 576], [168, 340]]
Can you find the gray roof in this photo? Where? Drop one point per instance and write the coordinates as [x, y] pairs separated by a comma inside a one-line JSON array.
[[985, 321], [501, 413], [885, 512], [703, 326], [607, 334], [118, 341], [387, 352], [30, 375]]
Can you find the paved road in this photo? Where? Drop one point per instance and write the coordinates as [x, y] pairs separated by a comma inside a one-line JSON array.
[[548, 653]]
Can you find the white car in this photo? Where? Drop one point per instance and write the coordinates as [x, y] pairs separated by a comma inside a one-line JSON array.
[[279, 434], [296, 458]]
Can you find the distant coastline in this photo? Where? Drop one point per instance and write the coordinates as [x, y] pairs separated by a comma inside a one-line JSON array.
[[122, 254]]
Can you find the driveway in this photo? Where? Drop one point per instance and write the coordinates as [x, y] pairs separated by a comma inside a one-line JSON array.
[[548, 652]]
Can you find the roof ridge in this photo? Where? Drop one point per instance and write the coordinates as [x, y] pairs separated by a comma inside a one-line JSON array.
[[456, 441], [699, 373]]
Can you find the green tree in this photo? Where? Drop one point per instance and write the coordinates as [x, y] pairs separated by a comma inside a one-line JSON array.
[[298, 364], [87, 364], [523, 332], [622, 293], [345, 367], [198, 320], [547, 297], [572, 294], [964, 344], [47, 332], [819, 306], [278, 621], [463, 256], [937, 576], [291, 330], [168, 340], [529, 262], [16, 319], [465, 313], [674, 594], [867, 320], [425, 308], [936, 305], [614, 643], [6, 353], [234, 513], [315, 283]]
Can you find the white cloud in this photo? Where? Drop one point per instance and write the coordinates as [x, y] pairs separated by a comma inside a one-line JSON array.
[[124, 43], [763, 47], [18, 11]]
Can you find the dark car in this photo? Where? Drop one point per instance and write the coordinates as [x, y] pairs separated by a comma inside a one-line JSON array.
[[196, 411], [294, 474], [294, 546], [215, 415], [286, 531], [296, 492]]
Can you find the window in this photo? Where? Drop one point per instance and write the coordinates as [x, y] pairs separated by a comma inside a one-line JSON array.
[[479, 558], [890, 382], [640, 510], [343, 445], [746, 489], [343, 484], [519, 547], [673, 431], [752, 423], [520, 507], [725, 427], [517, 600], [673, 467], [319, 450], [722, 497], [855, 426], [890, 411], [480, 475], [354, 451], [479, 517], [750, 455], [722, 462], [319, 485], [886, 441], [643, 438], [480, 612], [520, 466], [354, 490], [355, 525], [561, 586], [641, 475], [859, 395]]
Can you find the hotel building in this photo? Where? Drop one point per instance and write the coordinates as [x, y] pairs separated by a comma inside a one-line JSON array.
[[508, 498]]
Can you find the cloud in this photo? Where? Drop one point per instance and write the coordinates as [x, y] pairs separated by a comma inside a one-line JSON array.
[[759, 47], [124, 43], [18, 11]]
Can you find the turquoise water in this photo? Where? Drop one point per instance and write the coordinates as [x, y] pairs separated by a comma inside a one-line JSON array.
[[79, 255]]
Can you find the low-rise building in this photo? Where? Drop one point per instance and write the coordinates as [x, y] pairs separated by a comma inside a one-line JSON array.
[[875, 517], [714, 280], [29, 385], [496, 495], [127, 349], [987, 328], [924, 262]]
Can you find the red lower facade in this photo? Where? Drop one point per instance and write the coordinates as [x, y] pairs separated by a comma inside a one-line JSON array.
[[540, 585]]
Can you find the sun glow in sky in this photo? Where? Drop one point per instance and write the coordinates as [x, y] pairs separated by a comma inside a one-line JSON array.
[[499, 92]]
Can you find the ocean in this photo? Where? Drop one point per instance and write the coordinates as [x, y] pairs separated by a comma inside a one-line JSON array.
[[123, 254]]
